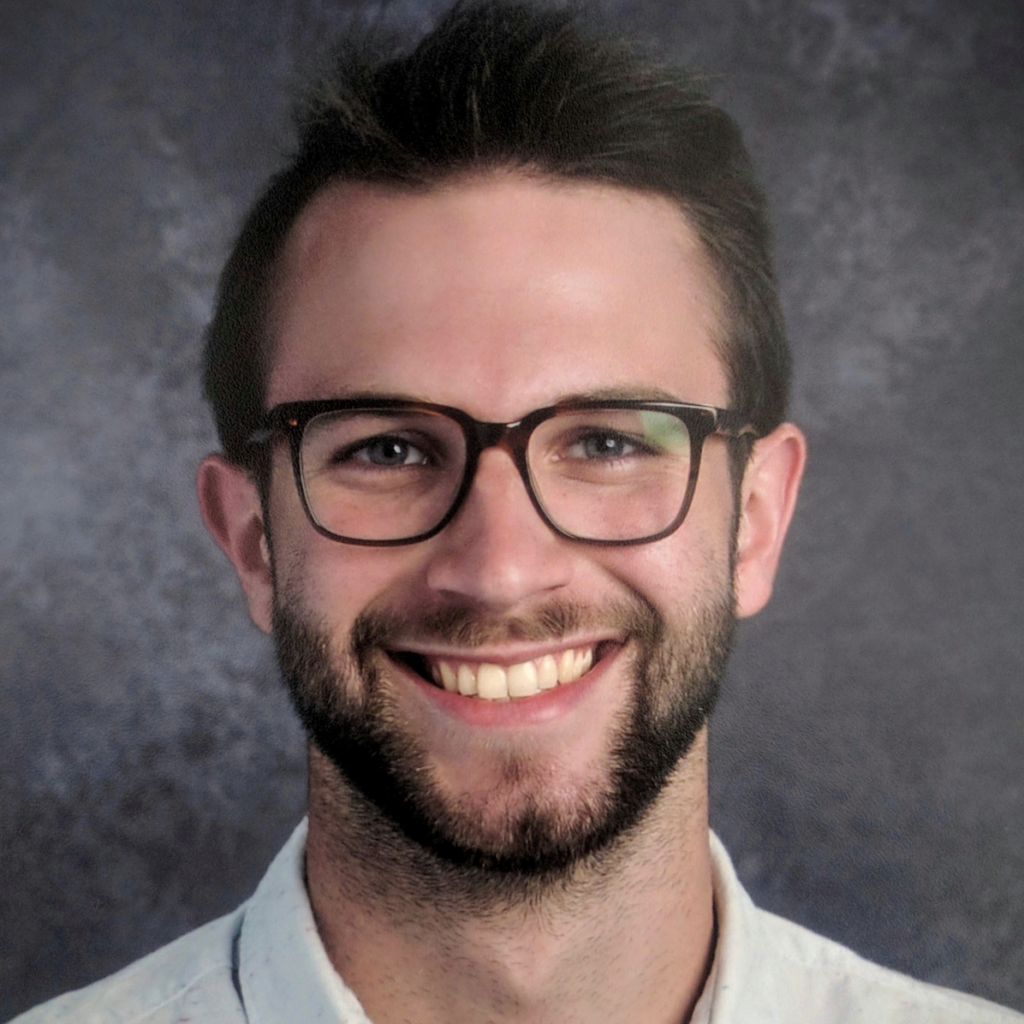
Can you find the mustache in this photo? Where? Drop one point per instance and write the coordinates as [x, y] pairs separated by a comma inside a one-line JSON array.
[[460, 626]]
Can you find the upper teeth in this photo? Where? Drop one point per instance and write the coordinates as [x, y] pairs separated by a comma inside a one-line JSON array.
[[495, 682]]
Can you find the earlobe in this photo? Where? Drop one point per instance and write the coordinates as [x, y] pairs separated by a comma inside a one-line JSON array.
[[767, 500], [230, 505]]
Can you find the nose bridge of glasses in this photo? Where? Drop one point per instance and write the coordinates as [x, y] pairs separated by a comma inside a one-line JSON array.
[[491, 435], [511, 437]]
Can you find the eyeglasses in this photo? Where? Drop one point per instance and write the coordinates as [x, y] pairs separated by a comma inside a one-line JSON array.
[[386, 472]]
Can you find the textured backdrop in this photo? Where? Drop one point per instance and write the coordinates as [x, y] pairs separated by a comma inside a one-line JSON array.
[[867, 756]]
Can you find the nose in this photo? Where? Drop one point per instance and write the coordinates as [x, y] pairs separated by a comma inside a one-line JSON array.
[[497, 553]]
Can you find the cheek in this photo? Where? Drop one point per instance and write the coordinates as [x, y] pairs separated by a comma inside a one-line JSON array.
[[332, 581], [686, 569], [673, 576], [337, 581]]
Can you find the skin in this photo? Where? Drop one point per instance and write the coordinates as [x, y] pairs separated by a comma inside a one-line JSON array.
[[500, 294]]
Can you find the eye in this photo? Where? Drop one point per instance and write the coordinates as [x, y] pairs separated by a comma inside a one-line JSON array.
[[386, 451], [603, 445]]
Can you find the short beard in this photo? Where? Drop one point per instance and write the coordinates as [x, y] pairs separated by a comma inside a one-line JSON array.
[[392, 799]]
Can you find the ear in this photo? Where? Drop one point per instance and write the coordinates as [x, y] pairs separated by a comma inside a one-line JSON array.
[[767, 499], [230, 504]]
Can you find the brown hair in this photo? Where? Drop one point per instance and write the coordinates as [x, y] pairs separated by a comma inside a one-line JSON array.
[[498, 84]]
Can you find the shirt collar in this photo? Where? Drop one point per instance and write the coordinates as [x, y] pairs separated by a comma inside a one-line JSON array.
[[283, 969], [735, 978]]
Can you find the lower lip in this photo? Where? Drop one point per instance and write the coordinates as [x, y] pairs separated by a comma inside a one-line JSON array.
[[520, 711]]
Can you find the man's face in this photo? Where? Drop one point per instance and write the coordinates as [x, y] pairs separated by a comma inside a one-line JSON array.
[[498, 296]]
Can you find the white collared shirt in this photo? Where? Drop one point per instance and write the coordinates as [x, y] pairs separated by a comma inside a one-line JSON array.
[[265, 964]]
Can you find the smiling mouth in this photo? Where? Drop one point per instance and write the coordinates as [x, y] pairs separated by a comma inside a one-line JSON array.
[[490, 681]]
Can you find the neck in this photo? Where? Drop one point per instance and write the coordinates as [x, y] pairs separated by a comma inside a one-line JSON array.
[[627, 936]]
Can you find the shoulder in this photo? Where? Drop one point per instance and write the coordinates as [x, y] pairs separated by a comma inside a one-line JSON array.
[[192, 978], [824, 981], [772, 971]]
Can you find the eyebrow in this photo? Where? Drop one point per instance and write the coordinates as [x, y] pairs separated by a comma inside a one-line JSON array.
[[619, 394], [608, 394]]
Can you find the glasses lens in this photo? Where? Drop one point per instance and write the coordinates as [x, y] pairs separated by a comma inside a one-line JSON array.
[[611, 474], [380, 475]]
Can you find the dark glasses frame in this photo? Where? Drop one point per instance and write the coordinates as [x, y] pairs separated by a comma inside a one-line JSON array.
[[702, 421]]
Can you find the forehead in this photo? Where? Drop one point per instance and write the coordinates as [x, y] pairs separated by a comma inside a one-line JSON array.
[[497, 294]]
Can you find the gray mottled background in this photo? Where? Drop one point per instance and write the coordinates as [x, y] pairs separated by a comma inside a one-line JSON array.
[[868, 753]]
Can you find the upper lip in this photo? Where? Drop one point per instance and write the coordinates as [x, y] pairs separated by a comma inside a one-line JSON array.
[[504, 655]]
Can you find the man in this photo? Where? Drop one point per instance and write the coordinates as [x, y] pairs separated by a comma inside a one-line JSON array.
[[500, 376]]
